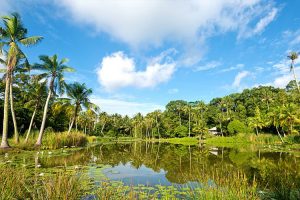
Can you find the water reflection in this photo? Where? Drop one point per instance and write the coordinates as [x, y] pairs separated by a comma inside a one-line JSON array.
[[162, 163]]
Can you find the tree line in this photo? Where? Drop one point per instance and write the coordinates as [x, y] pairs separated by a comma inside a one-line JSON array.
[[36, 96]]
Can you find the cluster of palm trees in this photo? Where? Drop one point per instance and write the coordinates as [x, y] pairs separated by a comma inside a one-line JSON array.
[[48, 75]]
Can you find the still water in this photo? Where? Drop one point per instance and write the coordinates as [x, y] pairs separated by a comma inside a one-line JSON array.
[[165, 164]]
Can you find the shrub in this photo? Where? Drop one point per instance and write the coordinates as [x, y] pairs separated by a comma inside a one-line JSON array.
[[236, 126], [181, 131]]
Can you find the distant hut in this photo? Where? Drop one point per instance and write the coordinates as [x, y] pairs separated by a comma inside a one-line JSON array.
[[214, 131]]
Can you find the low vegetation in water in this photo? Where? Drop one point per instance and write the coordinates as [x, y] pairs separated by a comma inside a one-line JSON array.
[[21, 183]]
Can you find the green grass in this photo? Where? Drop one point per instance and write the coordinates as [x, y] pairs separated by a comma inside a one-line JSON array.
[[60, 140], [22, 183], [183, 141], [53, 140]]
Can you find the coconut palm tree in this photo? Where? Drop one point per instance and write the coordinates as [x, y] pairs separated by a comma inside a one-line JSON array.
[[157, 114], [289, 117], [54, 71], [21, 67], [79, 95], [274, 119], [12, 35], [35, 95], [294, 56]]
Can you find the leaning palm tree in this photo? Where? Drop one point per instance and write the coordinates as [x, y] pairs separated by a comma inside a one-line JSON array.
[[54, 70], [294, 56], [11, 36], [37, 92], [79, 94]]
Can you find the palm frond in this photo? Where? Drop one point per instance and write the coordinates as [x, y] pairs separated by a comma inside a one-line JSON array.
[[63, 60], [65, 68], [31, 40]]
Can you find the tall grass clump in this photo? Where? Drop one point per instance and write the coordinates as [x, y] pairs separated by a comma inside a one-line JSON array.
[[59, 140], [22, 183]]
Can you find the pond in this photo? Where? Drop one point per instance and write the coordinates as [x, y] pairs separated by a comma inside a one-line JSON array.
[[166, 164]]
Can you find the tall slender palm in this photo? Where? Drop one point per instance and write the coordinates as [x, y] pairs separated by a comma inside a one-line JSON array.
[[294, 56], [157, 114], [36, 94], [267, 96], [21, 66], [79, 94], [12, 35], [54, 71], [274, 119]]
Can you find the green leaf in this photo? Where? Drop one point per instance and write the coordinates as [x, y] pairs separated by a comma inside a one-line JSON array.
[[31, 40]]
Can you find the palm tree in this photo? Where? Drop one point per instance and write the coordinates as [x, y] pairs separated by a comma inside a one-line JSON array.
[[12, 35], [20, 67], [35, 96], [267, 96], [289, 117], [274, 119], [54, 70], [157, 114], [187, 109], [256, 122], [293, 56], [79, 94]]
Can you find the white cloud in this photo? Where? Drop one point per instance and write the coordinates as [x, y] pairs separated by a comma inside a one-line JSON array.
[[155, 21], [239, 77], [261, 25], [173, 91], [122, 107], [208, 66], [238, 66], [284, 75], [118, 70]]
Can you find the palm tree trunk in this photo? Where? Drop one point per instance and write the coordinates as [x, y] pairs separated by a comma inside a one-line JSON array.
[[102, 128], [16, 133], [40, 137], [256, 129], [189, 122], [4, 142], [71, 125], [221, 128], [30, 125], [279, 135], [179, 119], [295, 77], [74, 119]]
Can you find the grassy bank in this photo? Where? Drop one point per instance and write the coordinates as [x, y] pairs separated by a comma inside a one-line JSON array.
[[54, 140], [244, 139]]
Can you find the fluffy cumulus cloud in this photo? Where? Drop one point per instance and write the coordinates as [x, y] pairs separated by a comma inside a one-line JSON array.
[[123, 107], [155, 21], [118, 70], [284, 75], [239, 77]]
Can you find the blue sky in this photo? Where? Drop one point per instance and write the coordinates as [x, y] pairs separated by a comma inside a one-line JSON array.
[[139, 55]]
